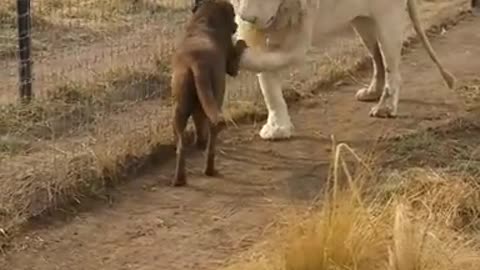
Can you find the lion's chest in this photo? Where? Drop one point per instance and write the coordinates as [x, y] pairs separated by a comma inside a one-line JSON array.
[[285, 39]]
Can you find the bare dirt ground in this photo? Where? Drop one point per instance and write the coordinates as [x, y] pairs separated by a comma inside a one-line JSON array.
[[148, 225]]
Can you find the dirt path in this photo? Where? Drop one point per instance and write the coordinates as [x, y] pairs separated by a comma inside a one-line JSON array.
[[152, 226]]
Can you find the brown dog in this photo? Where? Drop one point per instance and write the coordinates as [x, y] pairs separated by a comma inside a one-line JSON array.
[[205, 54], [475, 7]]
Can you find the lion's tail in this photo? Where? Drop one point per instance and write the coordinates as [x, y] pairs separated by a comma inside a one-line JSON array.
[[203, 84], [413, 13]]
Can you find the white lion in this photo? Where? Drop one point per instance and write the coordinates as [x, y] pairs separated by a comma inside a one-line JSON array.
[[280, 32]]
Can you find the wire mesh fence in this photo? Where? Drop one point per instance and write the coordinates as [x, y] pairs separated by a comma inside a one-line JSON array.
[[74, 39], [78, 40], [92, 59], [95, 59]]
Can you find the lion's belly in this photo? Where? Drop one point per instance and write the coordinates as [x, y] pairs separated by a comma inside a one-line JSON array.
[[330, 16], [333, 17]]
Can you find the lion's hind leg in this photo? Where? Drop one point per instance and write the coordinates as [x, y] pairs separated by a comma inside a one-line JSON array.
[[390, 35], [366, 29]]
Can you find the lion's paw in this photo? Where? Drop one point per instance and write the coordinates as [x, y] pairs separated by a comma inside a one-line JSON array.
[[275, 132], [383, 111], [368, 95]]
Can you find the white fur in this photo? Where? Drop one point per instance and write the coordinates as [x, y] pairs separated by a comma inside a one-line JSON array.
[[280, 32]]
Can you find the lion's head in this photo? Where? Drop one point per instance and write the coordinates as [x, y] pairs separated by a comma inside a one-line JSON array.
[[265, 14]]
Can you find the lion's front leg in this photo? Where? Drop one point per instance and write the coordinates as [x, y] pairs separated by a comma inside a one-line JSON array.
[[271, 61], [279, 125]]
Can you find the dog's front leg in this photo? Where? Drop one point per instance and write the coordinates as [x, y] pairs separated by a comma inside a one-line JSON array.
[[279, 125]]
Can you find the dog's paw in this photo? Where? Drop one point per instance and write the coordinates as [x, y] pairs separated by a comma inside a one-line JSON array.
[[240, 46], [221, 119], [201, 144], [178, 182], [210, 172]]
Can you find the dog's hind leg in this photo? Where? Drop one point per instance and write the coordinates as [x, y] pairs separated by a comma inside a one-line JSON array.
[[179, 125], [201, 128], [475, 7], [210, 157]]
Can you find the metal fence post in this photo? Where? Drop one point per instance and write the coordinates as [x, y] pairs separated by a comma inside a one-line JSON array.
[[24, 50]]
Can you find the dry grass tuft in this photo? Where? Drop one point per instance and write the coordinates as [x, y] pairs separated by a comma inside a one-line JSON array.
[[454, 198], [403, 230], [70, 106], [42, 181], [470, 92]]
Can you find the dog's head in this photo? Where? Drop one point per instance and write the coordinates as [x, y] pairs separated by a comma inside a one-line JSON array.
[[219, 14]]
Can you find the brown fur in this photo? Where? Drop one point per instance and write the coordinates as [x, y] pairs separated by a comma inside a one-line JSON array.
[[204, 55], [475, 7]]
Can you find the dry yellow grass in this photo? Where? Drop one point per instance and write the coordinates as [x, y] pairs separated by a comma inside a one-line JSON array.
[[364, 229], [59, 24], [70, 106]]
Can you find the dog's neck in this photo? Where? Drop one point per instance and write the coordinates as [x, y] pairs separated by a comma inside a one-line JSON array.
[[200, 25]]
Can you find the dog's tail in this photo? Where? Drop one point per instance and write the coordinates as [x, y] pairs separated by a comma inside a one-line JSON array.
[[203, 84], [413, 13]]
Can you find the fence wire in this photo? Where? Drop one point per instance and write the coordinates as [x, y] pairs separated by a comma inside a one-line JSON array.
[[79, 40]]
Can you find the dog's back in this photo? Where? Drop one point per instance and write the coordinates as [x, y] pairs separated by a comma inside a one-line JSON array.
[[200, 59], [195, 67]]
